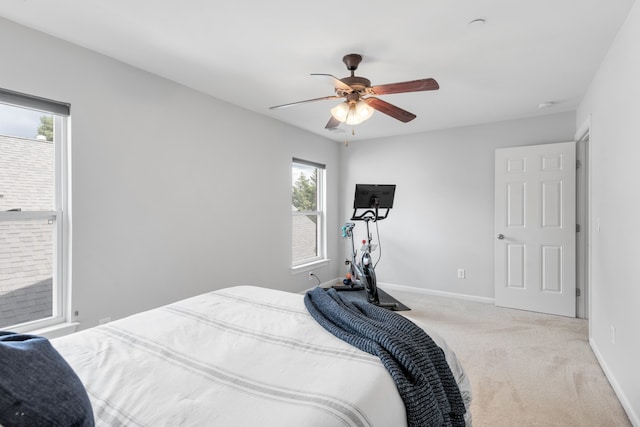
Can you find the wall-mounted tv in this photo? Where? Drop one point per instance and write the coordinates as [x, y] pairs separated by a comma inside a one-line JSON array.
[[373, 197], [368, 195]]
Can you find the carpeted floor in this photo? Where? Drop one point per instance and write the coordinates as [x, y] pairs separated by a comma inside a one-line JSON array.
[[526, 369]]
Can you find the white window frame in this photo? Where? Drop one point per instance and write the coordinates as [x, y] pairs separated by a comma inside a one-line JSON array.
[[62, 237], [321, 235]]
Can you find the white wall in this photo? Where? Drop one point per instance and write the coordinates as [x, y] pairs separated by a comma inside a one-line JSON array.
[[442, 217], [174, 193], [613, 106]]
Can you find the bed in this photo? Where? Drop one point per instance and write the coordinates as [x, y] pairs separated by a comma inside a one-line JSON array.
[[240, 356]]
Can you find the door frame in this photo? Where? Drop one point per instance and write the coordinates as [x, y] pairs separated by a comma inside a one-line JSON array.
[[583, 217]]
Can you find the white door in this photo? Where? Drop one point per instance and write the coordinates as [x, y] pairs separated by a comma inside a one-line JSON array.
[[535, 226]]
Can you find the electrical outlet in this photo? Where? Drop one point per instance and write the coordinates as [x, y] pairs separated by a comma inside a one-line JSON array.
[[461, 273], [311, 274]]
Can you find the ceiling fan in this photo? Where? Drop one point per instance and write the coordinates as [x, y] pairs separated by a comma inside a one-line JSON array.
[[357, 91]]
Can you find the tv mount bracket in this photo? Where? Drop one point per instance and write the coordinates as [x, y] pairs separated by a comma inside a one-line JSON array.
[[372, 214]]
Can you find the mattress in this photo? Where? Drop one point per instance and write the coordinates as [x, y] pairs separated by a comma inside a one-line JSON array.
[[240, 356]]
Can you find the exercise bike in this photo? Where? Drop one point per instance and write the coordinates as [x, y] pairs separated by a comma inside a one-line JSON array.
[[362, 273]]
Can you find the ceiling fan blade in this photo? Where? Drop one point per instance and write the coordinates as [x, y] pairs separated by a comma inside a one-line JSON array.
[[333, 81], [411, 86], [390, 109], [303, 102], [332, 123]]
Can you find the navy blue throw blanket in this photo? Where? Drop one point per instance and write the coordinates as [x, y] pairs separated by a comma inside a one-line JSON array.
[[38, 387], [417, 365]]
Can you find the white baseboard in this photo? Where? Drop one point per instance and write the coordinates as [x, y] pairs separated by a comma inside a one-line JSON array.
[[626, 405], [327, 284], [437, 293]]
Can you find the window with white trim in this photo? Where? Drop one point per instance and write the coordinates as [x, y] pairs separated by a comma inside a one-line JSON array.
[[307, 212], [33, 142]]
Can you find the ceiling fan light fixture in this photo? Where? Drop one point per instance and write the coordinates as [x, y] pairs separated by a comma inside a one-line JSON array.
[[340, 111], [352, 113]]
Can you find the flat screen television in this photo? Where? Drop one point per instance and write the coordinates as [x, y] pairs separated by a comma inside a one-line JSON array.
[[370, 195]]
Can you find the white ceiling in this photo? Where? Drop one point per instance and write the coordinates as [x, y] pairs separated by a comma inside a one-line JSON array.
[[257, 54]]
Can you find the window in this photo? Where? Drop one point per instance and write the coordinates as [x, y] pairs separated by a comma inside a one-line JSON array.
[[33, 290], [307, 212]]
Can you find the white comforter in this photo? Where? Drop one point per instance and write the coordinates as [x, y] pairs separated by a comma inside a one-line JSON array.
[[241, 356]]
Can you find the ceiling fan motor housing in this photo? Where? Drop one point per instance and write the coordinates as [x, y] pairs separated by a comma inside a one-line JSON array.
[[358, 84]]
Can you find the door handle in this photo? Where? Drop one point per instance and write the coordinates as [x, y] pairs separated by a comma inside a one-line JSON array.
[[500, 236]]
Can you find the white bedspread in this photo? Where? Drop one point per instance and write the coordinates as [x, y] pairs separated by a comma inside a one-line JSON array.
[[241, 356]]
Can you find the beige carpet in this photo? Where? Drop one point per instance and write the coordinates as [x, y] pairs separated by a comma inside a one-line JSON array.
[[526, 369]]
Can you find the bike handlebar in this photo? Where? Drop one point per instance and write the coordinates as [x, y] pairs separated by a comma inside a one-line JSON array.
[[347, 229]]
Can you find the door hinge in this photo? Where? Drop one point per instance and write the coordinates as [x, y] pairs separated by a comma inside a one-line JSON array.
[[578, 164], [577, 292], [578, 228]]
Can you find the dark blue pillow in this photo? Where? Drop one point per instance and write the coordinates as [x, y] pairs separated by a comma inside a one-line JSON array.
[[37, 386]]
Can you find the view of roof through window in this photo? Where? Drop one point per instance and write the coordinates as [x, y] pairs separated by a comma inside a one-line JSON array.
[[27, 179]]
